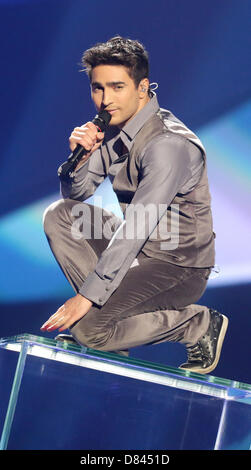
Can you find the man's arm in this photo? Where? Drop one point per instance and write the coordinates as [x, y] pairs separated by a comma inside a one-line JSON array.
[[85, 180], [167, 164], [89, 172]]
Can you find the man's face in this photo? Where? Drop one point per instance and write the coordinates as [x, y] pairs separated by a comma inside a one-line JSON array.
[[114, 90]]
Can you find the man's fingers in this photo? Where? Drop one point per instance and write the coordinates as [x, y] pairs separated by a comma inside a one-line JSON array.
[[100, 136], [86, 135], [91, 126], [56, 317], [84, 131], [59, 322], [66, 325], [73, 309], [86, 140], [66, 321], [63, 323]]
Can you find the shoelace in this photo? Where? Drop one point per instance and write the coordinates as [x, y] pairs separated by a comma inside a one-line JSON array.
[[195, 353]]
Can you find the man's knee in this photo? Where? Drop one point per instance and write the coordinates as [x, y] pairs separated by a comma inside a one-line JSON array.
[[57, 212], [50, 215]]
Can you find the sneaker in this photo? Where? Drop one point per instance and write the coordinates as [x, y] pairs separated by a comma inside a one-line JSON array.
[[66, 338], [204, 356]]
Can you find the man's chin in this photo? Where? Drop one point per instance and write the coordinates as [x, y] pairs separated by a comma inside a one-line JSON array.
[[116, 122]]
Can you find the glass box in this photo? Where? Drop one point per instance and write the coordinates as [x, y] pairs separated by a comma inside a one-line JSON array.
[[59, 396]]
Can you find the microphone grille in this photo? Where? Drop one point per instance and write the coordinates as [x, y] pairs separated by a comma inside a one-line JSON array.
[[102, 119]]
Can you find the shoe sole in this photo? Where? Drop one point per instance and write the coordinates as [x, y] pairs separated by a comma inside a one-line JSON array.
[[218, 350]]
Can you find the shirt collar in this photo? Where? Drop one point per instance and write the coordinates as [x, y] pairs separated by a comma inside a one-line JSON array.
[[133, 126]]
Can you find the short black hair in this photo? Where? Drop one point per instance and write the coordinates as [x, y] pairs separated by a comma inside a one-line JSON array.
[[119, 51]]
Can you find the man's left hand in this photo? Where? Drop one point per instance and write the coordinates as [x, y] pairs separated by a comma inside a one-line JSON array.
[[72, 310]]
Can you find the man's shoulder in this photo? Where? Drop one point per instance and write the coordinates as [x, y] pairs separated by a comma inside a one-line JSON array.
[[172, 122], [163, 126], [165, 135], [175, 127]]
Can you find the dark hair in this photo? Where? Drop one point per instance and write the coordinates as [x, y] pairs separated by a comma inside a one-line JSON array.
[[118, 51]]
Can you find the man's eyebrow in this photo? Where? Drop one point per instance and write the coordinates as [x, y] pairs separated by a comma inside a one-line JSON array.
[[108, 83]]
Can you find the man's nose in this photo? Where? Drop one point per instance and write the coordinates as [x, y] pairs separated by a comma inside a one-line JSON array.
[[107, 98]]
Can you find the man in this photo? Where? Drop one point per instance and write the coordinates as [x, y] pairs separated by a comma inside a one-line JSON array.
[[138, 282]]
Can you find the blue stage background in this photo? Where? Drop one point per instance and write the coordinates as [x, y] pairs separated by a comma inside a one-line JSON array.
[[199, 56]]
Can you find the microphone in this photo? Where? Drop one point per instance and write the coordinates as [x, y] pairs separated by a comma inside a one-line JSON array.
[[101, 121]]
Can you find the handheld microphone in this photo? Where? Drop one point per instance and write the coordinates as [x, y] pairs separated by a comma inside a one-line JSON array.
[[101, 121]]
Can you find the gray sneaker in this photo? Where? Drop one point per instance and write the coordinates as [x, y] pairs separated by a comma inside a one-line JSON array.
[[204, 356]]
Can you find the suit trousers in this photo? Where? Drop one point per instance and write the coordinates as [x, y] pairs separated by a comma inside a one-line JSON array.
[[155, 301]]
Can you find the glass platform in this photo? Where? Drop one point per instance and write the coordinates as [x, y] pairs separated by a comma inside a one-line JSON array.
[[55, 395]]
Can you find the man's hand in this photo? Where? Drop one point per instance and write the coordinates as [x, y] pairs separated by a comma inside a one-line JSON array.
[[72, 310], [87, 136]]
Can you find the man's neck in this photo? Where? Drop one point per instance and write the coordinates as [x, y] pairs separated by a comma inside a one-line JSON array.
[[146, 100]]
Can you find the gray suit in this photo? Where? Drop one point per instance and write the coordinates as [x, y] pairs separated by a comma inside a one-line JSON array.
[[143, 282]]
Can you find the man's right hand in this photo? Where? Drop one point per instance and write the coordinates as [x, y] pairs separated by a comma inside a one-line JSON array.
[[87, 136]]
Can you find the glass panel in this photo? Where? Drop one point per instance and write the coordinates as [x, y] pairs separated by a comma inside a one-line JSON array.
[[8, 363], [14, 396], [235, 426], [78, 398]]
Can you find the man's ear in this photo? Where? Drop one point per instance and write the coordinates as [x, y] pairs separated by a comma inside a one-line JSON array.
[[143, 87]]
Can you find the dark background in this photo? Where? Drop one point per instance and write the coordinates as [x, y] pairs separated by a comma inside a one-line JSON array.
[[200, 57]]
